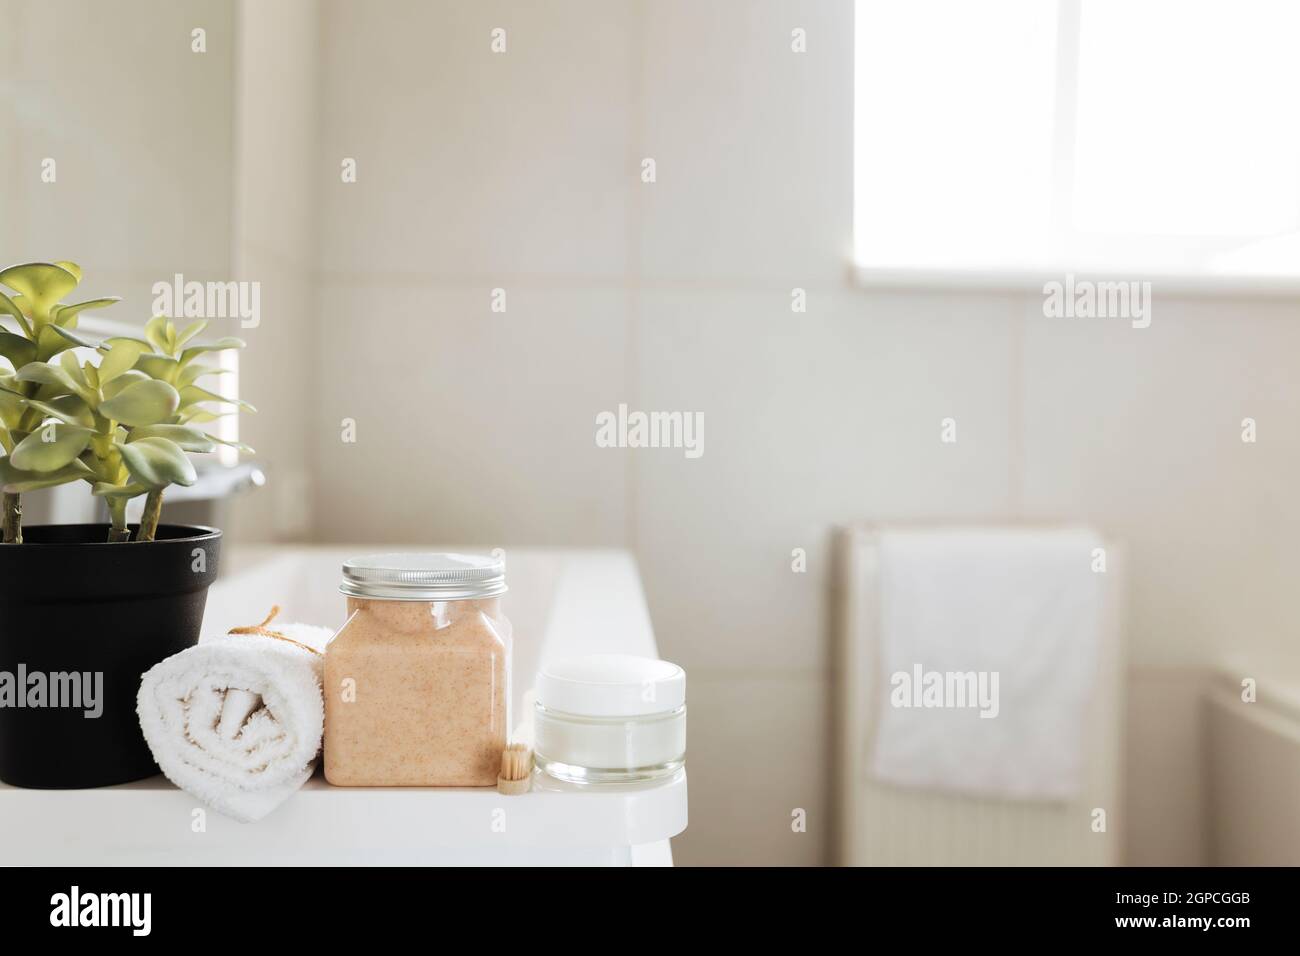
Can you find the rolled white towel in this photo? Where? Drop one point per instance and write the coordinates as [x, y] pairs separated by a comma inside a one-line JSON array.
[[237, 721]]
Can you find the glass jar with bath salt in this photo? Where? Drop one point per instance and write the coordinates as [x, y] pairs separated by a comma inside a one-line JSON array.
[[610, 718], [417, 682]]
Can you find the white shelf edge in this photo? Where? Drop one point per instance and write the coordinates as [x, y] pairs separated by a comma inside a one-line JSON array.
[[153, 817]]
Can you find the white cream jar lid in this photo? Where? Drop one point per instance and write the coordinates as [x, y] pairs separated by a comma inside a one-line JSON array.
[[611, 685]]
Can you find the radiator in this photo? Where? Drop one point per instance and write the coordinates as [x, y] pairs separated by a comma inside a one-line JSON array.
[[878, 824]]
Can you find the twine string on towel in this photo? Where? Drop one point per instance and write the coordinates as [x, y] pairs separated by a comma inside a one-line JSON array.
[[265, 631]]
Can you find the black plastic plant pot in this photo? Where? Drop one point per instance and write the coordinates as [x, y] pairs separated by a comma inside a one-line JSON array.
[[80, 621]]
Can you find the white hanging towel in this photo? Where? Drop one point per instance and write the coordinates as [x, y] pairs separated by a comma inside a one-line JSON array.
[[236, 721], [988, 650]]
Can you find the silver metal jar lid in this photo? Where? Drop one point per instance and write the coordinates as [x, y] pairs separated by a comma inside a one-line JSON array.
[[423, 577]]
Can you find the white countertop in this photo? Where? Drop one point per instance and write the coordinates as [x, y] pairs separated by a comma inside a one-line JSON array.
[[562, 602]]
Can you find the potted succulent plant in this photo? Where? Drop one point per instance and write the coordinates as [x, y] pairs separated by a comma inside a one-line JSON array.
[[85, 609]]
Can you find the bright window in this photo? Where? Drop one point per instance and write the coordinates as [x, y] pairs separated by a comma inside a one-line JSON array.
[[1153, 137]]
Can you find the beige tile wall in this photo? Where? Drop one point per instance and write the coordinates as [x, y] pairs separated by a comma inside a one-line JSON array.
[[753, 144], [472, 427], [476, 167], [140, 130]]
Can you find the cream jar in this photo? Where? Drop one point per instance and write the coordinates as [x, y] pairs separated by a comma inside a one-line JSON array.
[[610, 718], [417, 682]]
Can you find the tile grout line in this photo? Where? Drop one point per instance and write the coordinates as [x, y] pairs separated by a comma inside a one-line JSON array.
[[635, 223], [317, 186], [22, 218], [1016, 460]]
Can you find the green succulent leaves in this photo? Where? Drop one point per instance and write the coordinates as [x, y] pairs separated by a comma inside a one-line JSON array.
[[125, 422], [120, 358], [42, 285], [9, 307], [194, 351], [15, 481], [157, 463], [18, 350], [51, 447], [145, 402], [69, 409], [43, 373], [65, 316], [104, 489], [172, 361], [193, 395], [184, 436]]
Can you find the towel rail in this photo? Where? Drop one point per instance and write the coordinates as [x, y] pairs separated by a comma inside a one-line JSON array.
[[881, 825]]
